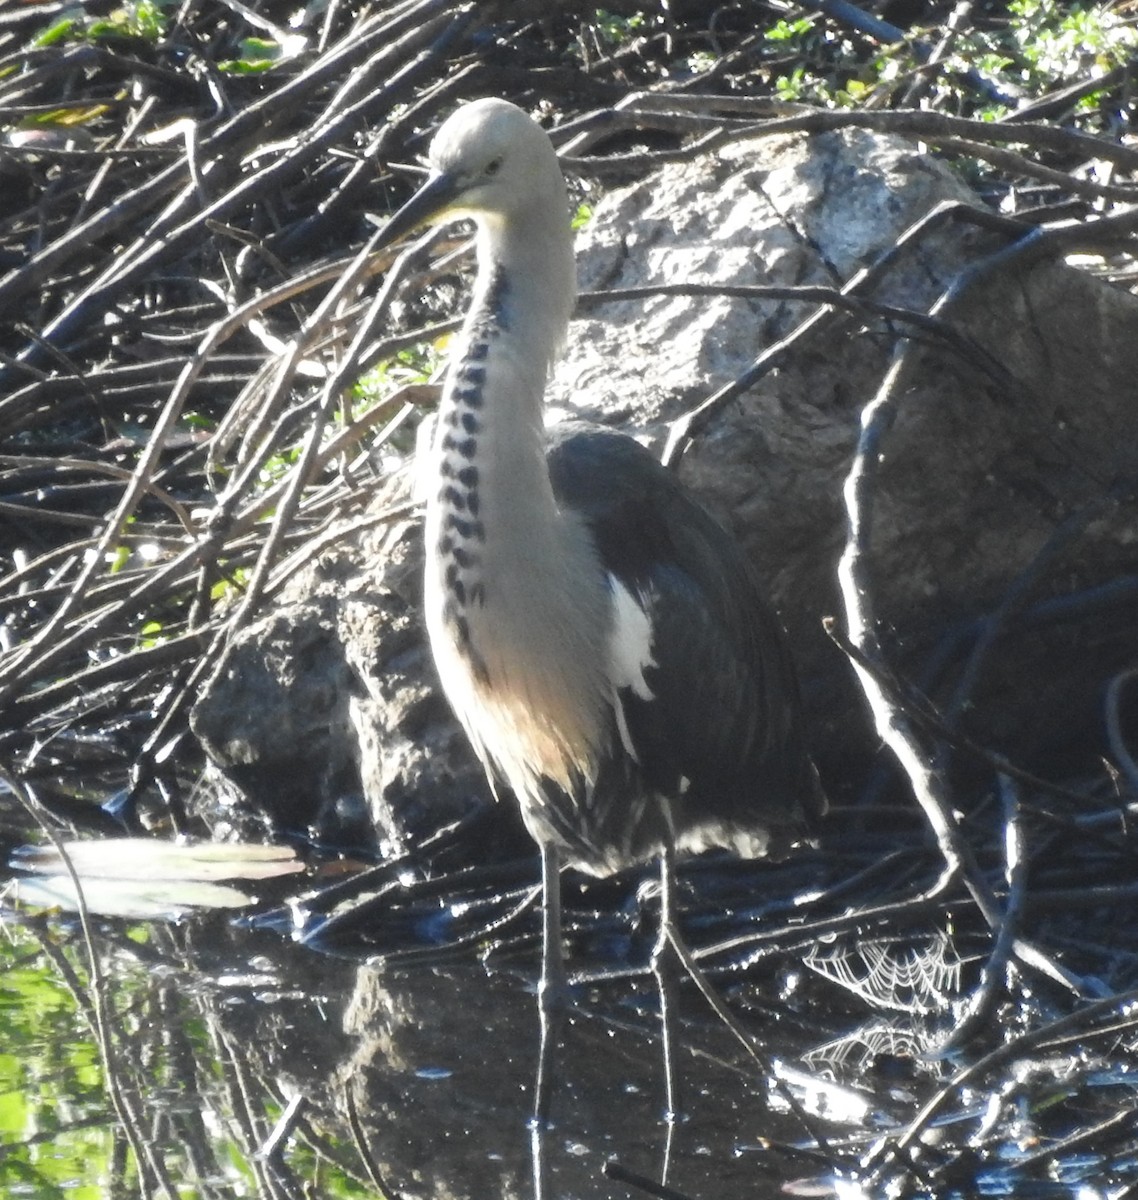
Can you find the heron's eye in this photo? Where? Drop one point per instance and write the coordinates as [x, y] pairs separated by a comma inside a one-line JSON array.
[[493, 166]]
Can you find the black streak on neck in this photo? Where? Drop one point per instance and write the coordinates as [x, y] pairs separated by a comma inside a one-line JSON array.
[[462, 531]]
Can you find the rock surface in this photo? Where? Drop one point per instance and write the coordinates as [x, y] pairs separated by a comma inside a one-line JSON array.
[[328, 714]]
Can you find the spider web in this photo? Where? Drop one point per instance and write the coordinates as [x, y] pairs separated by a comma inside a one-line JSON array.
[[912, 979]]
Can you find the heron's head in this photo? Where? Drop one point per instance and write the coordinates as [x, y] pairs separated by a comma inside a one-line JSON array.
[[489, 161]]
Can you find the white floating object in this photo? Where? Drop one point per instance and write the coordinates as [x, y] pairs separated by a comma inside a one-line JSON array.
[[128, 898], [143, 859]]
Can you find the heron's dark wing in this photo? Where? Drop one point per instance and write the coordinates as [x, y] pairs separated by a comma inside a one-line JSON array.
[[724, 713]]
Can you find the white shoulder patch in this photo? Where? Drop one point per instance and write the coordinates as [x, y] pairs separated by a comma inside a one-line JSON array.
[[630, 641]]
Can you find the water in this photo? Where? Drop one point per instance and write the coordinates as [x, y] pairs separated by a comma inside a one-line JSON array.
[[214, 1030], [184, 1045]]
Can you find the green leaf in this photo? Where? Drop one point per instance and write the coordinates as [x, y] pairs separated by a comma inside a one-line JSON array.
[[55, 33], [261, 54], [787, 31]]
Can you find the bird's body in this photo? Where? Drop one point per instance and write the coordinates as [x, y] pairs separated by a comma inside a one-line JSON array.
[[601, 638]]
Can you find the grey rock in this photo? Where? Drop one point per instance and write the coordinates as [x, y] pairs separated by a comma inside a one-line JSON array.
[[327, 715]]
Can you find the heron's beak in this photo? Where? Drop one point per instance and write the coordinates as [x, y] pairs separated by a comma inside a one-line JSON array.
[[429, 203]]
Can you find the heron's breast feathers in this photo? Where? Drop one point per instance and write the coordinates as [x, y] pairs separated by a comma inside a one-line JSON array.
[[538, 686]]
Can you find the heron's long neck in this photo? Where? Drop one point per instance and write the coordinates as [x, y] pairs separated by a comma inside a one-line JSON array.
[[516, 603], [523, 297], [492, 512]]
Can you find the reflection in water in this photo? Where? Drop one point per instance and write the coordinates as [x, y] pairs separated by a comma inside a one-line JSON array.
[[439, 1065], [212, 1031], [422, 1079]]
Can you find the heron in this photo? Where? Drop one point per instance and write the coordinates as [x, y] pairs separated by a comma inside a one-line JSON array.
[[602, 639]]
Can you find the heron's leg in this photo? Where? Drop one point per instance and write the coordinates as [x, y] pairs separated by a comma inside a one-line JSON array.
[[553, 990], [664, 965]]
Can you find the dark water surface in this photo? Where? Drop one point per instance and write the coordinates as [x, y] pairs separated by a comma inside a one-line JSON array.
[[216, 1029], [419, 1079]]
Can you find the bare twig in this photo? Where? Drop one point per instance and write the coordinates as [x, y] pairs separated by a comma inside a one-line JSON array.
[[1119, 748]]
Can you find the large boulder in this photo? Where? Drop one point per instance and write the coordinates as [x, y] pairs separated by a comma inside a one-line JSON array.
[[330, 698]]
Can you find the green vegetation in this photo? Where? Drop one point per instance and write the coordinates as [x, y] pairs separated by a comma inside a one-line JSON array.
[[231, 585], [57, 1134], [788, 31], [60, 1136], [1041, 46], [142, 19], [415, 364], [1059, 42], [258, 54], [616, 30]]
